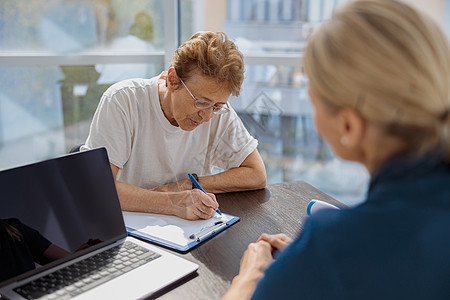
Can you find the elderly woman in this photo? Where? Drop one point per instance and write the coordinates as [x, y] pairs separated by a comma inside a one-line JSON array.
[[158, 130], [379, 79]]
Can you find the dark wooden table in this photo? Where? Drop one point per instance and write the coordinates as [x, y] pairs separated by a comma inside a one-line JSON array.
[[278, 208]]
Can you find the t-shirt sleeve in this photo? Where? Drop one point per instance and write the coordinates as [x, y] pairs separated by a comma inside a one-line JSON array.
[[233, 143], [111, 128]]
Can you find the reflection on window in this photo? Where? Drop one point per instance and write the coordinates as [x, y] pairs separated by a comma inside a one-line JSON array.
[[274, 103], [79, 25], [45, 110], [30, 114]]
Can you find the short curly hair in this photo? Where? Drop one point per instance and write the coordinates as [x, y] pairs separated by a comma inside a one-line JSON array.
[[214, 55]]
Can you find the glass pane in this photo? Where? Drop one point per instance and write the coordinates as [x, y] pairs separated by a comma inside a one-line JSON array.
[[274, 106], [274, 103], [187, 18], [70, 26], [31, 121], [46, 111]]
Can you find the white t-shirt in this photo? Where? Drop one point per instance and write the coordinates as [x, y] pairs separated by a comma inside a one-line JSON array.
[[150, 151]]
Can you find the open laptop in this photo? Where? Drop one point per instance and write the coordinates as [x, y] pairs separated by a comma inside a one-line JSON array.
[[62, 235]]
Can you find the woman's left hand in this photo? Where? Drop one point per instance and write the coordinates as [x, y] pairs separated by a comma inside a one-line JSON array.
[[277, 241], [256, 259]]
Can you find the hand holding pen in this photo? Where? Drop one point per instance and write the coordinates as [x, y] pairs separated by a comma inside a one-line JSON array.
[[194, 205], [195, 182]]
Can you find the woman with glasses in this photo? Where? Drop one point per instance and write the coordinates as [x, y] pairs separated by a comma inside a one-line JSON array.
[[158, 130], [379, 81]]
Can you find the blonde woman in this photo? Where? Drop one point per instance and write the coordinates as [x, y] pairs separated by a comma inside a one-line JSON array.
[[379, 79], [158, 130]]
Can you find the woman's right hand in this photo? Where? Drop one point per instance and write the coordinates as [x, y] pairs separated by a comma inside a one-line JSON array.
[[194, 205]]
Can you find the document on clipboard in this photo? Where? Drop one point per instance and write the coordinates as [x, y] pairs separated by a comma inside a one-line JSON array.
[[173, 232]]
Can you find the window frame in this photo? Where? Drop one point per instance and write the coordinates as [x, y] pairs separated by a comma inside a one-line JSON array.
[[171, 43]]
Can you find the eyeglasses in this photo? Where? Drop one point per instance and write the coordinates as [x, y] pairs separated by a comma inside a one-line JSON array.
[[218, 109]]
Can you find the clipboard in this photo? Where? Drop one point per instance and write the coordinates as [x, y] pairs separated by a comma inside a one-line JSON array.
[[173, 232]]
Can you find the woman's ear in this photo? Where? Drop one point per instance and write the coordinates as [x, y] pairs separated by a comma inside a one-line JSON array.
[[172, 80], [352, 128]]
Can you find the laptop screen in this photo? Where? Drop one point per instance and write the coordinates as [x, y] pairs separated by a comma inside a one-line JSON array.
[[57, 209]]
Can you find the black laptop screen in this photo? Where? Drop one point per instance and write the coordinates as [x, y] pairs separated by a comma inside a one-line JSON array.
[[56, 208]]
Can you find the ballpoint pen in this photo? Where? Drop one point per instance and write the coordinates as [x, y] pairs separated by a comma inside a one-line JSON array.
[[206, 231], [195, 182]]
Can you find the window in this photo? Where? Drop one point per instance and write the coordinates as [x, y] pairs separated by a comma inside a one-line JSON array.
[[56, 60], [57, 57], [274, 103]]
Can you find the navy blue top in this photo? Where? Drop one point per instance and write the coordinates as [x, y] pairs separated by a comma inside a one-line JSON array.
[[396, 245]]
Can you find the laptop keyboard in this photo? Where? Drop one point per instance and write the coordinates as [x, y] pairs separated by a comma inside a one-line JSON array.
[[89, 273]]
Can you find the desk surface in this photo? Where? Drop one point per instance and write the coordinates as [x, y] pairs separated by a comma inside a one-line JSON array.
[[278, 208]]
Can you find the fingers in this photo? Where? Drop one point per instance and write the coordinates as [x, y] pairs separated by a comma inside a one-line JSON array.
[[209, 200], [260, 246], [199, 205], [206, 203], [199, 214], [277, 241], [256, 258], [273, 237]]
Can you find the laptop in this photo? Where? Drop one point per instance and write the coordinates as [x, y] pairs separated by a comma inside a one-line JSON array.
[[62, 235]]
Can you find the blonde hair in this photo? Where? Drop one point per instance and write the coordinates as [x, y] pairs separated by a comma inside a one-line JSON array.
[[389, 63], [214, 55]]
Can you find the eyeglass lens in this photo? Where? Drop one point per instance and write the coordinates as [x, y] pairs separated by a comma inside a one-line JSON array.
[[204, 104]]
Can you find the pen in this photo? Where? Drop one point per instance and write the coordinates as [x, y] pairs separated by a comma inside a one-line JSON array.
[[202, 231], [195, 182], [202, 237]]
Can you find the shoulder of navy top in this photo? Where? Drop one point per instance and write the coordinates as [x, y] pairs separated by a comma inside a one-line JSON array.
[[411, 179]]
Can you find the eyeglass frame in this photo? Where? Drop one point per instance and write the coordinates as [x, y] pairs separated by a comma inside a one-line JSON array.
[[221, 109]]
